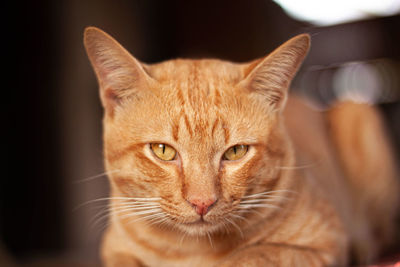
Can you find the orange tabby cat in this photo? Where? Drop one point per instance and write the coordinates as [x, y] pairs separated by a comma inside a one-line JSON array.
[[209, 168]]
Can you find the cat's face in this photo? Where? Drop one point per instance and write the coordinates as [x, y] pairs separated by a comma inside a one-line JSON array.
[[200, 139], [197, 112]]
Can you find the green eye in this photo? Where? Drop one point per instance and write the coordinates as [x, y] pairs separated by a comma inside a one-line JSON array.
[[163, 151], [236, 152]]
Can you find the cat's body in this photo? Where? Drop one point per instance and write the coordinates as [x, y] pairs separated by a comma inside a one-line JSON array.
[[291, 195]]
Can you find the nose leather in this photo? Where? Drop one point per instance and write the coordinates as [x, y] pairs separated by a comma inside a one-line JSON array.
[[202, 206]]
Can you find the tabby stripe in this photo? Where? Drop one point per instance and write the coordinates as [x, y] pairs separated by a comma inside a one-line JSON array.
[[226, 133], [188, 127], [175, 131], [214, 126], [217, 98]]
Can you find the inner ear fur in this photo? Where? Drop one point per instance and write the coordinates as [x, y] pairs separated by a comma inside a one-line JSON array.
[[119, 74], [271, 76]]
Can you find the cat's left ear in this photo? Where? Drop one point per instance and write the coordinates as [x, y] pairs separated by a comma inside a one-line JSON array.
[[270, 77]]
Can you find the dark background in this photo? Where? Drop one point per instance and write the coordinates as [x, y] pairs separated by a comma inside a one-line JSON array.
[[52, 113]]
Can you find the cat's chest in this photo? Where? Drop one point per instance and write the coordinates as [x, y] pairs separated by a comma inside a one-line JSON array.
[[194, 260], [182, 255], [160, 249]]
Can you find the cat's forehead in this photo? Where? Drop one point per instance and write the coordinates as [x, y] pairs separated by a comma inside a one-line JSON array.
[[197, 71], [201, 87], [196, 100]]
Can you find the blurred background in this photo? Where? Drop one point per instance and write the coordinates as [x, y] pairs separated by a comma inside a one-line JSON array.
[[52, 134]]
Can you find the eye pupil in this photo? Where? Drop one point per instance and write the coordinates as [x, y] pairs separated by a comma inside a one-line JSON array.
[[235, 152], [163, 151]]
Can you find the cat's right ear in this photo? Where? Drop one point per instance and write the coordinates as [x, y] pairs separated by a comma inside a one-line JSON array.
[[119, 74]]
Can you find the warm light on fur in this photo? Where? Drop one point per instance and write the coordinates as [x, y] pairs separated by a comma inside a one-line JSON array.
[[296, 198]]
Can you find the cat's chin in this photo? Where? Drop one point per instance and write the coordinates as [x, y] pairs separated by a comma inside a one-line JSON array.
[[199, 227]]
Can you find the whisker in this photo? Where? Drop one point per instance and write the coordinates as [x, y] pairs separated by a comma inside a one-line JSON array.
[[99, 217], [112, 210], [104, 227], [248, 206], [182, 238], [239, 217], [134, 205], [109, 208], [210, 240], [149, 211], [95, 177], [134, 209], [226, 228], [98, 229], [249, 201], [148, 217], [161, 219], [121, 199], [268, 193], [303, 166], [236, 226], [161, 223], [249, 210], [132, 198]]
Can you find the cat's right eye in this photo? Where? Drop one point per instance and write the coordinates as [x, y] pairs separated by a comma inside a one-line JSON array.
[[236, 152], [163, 151]]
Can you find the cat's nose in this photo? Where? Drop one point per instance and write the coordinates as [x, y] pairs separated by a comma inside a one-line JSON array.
[[202, 206]]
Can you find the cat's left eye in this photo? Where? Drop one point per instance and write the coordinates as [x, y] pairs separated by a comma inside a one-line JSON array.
[[163, 151], [236, 152]]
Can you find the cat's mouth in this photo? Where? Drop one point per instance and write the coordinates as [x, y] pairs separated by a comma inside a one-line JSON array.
[[201, 221], [200, 227]]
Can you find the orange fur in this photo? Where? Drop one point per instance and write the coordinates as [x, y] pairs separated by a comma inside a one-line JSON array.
[[301, 196]]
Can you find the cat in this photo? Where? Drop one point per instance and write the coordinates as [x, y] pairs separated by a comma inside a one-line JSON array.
[[214, 163]]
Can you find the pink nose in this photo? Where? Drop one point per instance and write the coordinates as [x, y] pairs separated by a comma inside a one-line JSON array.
[[202, 206]]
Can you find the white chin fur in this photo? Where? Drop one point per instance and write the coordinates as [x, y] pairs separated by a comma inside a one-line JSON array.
[[199, 229]]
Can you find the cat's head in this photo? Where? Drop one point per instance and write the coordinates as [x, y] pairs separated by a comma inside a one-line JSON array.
[[195, 144]]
